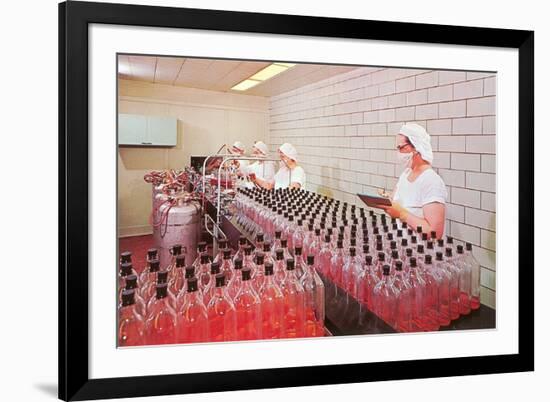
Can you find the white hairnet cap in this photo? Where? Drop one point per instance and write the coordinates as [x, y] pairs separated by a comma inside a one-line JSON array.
[[262, 147], [289, 151], [420, 139], [238, 146]]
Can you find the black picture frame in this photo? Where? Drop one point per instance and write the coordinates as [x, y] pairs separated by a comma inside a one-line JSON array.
[[74, 18]]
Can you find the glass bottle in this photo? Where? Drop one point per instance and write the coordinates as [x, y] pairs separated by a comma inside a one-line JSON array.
[[161, 324], [465, 284], [367, 281], [300, 265], [132, 283], [298, 235], [126, 268], [201, 250], [294, 303], [227, 264], [475, 278], [149, 280], [418, 290], [314, 294], [444, 290], [131, 328], [350, 272], [222, 317], [325, 255], [385, 297], [248, 308], [404, 300], [240, 252], [272, 305], [280, 266], [258, 279], [286, 252], [337, 263], [208, 290], [222, 245], [431, 296], [235, 283], [177, 281], [192, 317], [454, 281]]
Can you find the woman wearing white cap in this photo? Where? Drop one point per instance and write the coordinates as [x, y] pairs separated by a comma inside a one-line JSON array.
[[262, 170], [238, 149], [420, 194], [290, 174]]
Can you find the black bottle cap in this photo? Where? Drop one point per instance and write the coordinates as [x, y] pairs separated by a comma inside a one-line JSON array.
[[310, 227], [375, 230], [450, 240], [154, 265], [398, 266], [298, 250], [393, 245], [220, 280], [176, 249], [413, 261], [340, 244], [440, 242], [379, 246], [430, 245], [327, 238], [161, 289], [245, 274], [126, 268], [128, 297], [428, 259], [192, 284], [260, 257], [413, 240], [277, 234], [201, 246], [409, 252], [204, 258], [248, 250], [317, 231], [242, 240], [260, 237], [419, 229], [290, 264], [459, 250], [238, 263], [152, 253], [227, 254], [424, 236], [403, 225], [215, 268], [190, 271], [368, 259], [379, 238], [433, 234], [420, 248], [448, 252], [310, 259], [279, 254], [267, 247], [162, 276], [284, 243], [125, 257], [353, 242], [394, 254], [180, 260], [469, 246], [341, 236], [222, 243], [386, 270], [352, 251], [268, 268], [381, 257], [366, 248], [399, 233], [404, 242], [439, 256], [131, 281]]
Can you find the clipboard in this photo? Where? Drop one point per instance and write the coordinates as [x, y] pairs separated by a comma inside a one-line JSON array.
[[374, 200]]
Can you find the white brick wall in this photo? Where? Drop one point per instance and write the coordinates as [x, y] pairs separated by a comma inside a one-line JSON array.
[[344, 129]]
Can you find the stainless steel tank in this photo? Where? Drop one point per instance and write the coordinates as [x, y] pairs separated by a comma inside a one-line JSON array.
[[157, 199], [182, 226]]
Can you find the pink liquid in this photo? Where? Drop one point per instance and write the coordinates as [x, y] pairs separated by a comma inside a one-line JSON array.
[[161, 329], [474, 302], [131, 330], [464, 305], [221, 323], [193, 324], [312, 327], [293, 315], [455, 308], [248, 318]]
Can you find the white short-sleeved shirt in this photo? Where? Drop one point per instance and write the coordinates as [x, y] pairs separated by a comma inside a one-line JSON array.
[[262, 170], [426, 188], [283, 179]]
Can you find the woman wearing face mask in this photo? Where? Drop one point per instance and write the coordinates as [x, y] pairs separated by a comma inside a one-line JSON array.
[[260, 170], [290, 174], [238, 149], [420, 194]]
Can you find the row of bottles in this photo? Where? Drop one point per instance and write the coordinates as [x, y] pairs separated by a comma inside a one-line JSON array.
[[354, 248], [242, 297]]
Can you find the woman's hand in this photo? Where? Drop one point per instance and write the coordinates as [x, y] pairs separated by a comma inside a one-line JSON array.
[[382, 193], [396, 211]]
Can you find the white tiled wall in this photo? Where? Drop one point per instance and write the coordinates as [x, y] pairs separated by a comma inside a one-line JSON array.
[[344, 128]]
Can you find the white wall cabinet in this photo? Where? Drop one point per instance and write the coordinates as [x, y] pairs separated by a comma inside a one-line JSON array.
[[142, 130]]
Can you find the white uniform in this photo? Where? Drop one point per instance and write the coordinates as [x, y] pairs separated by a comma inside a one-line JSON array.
[[425, 189], [262, 170], [283, 179]]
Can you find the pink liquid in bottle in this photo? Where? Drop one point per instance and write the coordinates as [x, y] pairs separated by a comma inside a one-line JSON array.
[[193, 317], [222, 317], [248, 307], [131, 328], [161, 325], [272, 305]]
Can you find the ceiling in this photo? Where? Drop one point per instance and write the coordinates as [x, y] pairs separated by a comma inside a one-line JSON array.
[[220, 75]]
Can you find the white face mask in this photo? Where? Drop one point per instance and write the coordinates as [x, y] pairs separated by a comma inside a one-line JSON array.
[[405, 158]]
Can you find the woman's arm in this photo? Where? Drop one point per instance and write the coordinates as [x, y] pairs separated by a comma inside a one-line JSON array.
[[434, 217], [267, 184], [295, 184]]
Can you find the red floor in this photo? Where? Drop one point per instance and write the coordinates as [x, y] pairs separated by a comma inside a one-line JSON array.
[[138, 245]]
